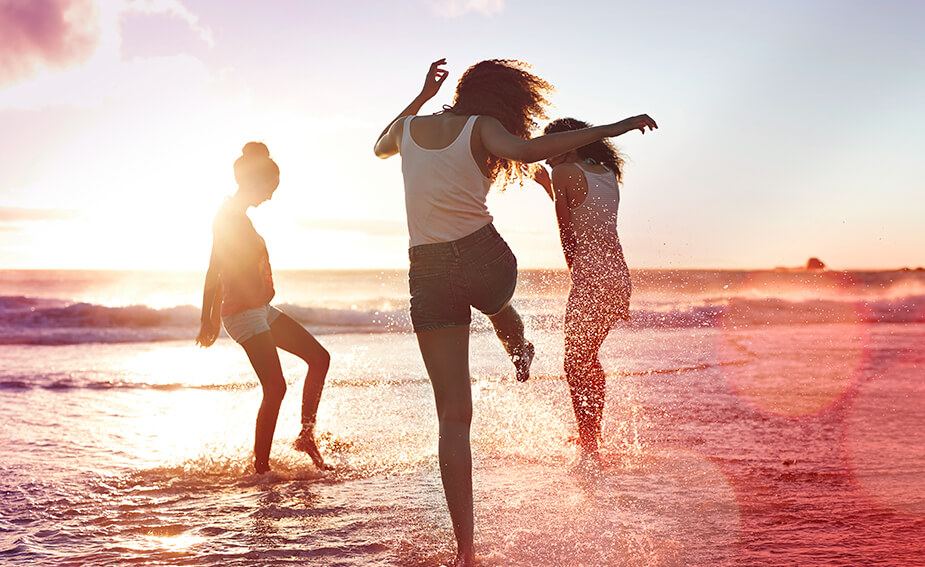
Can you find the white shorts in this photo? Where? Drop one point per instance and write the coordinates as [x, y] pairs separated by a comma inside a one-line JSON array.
[[244, 325]]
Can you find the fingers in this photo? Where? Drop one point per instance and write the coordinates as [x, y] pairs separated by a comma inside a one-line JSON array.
[[645, 121], [435, 74], [207, 338]]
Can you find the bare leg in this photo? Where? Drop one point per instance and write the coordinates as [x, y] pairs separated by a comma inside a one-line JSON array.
[[446, 356], [509, 328], [595, 393], [261, 350], [585, 332], [292, 337], [587, 386]]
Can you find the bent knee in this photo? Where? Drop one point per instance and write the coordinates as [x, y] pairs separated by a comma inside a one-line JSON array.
[[460, 414], [275, 391], [321, 359]]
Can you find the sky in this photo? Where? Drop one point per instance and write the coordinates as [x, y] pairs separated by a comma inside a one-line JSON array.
[[788, 129]]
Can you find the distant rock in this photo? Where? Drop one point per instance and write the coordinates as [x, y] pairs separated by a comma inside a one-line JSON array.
[[920, 269], [815, 264]]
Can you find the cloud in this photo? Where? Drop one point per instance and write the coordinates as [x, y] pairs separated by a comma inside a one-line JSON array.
[[108, 74], [457, 8], [18, 215], [58, 34], [173, 8], [45, 33]]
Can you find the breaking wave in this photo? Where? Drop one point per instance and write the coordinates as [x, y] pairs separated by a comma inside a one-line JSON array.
[[27, 320]]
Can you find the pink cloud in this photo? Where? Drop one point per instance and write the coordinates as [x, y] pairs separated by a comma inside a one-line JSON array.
[[40, 33]]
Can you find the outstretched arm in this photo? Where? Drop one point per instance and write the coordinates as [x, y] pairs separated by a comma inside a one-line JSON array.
[[388, 143], [499, 142], [211, 304]]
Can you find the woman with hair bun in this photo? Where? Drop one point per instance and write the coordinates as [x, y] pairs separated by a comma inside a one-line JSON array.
[[237, 293], [585, 187], [458, 259]]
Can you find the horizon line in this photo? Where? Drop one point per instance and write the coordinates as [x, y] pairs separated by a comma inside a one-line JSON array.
[[905, 268]]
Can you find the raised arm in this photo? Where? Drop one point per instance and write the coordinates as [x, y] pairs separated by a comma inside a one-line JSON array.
[[499, 142], [388, 143], [210, 322]]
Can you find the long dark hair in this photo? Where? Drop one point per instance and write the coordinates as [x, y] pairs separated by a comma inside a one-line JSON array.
[[602, 151], [506, 90]]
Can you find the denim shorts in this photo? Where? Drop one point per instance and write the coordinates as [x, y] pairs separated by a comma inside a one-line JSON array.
[[245, 324], [447, 278]]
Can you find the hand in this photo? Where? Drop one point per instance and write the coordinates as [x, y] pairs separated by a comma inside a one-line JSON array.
[[434, 79], [541, 176], [640, 123], [208, 333]]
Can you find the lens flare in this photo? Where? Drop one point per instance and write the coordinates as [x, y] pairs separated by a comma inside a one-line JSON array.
[[784, 366], [885, 429]]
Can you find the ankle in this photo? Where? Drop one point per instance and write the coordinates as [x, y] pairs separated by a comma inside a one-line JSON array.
[[464, 558], [589, 444], [521, 349]]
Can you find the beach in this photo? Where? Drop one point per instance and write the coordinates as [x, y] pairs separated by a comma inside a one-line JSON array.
[[752, 418]]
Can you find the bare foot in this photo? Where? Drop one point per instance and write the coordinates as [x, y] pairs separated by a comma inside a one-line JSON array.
[[261, 468], [305, 443], [464, 559], [589, 463], [522, 362]]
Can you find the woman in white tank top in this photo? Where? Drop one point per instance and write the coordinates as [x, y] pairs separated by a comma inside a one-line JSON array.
[[458, 260], [585, 188]]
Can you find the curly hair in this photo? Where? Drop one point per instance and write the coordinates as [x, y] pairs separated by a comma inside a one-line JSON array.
[[503, 89], [602, 151]]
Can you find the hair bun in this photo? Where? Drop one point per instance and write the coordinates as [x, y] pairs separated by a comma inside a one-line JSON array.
[[255, 149]]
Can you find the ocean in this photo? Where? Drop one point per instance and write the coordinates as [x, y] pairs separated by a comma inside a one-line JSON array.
[[752, 418]]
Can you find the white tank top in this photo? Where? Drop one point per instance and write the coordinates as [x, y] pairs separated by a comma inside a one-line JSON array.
[[445, 190], [594, 222]]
